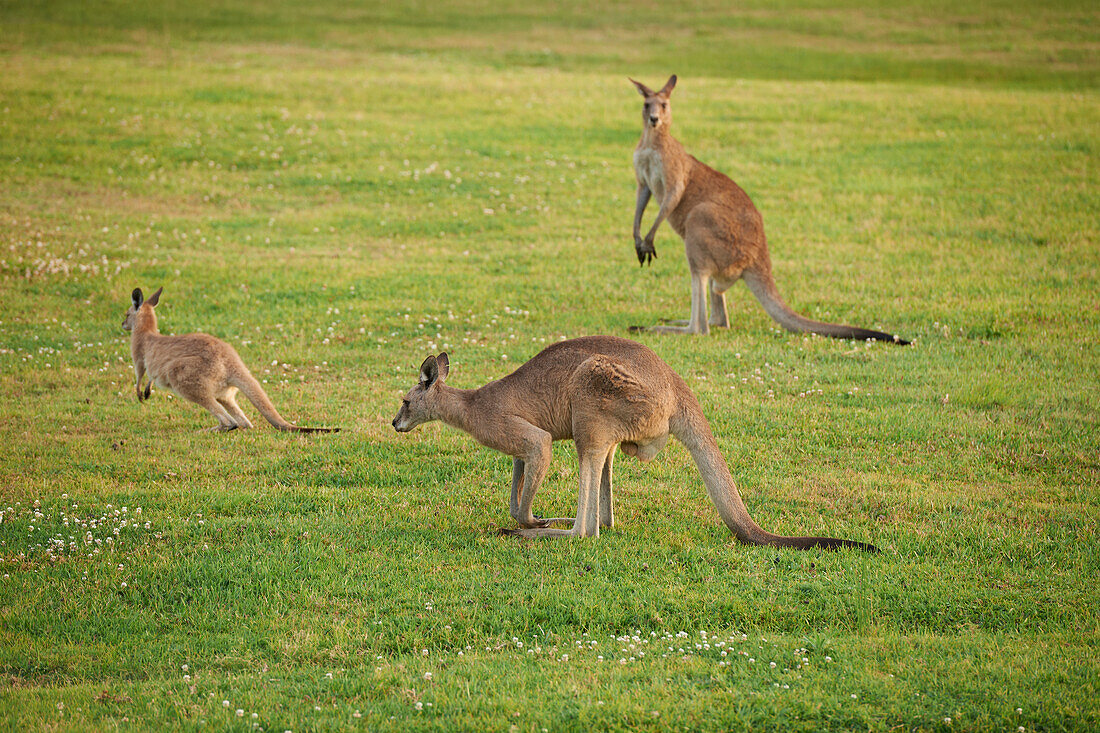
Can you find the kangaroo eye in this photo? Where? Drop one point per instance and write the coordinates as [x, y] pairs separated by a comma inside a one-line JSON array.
[[404, 403], [664, 105]]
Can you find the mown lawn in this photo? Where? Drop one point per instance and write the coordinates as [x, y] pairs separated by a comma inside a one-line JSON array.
[[339, 190]]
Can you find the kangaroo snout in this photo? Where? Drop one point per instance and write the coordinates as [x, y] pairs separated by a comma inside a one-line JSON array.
[[653, 120]]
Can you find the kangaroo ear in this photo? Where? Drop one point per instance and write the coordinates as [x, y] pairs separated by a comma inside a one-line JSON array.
[[444, 365], [155, 297], [642, 88], [429, 372], [137, 298], [668, 87]]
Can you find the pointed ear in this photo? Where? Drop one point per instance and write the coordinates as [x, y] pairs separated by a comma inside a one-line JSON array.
[[429, 372], [642, 88], [444, 365], [137, 298], [668, 87], [155, 297]]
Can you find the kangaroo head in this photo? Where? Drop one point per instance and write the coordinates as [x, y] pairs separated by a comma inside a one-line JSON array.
[[137, 301], [656, 112], [419, 404]]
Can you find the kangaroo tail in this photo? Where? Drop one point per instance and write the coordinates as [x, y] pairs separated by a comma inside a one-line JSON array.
[[251, 389], [762, 285], [691, 428]]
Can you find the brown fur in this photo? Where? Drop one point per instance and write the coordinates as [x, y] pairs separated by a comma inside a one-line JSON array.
[[197, 367], [602, 392], [723, 232]]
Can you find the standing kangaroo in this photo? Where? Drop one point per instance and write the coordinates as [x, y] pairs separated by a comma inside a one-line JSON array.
[[603, 392], [723, 232], [197, 367]]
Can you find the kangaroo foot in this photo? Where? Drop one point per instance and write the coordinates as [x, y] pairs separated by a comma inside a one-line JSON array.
[[537, 522], [535, 533], [675, 329], [557, 520]]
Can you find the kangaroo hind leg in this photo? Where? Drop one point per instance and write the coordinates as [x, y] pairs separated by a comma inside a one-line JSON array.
[[218, 410], [719, 318], [587, 523], [697, 324], [228, 400], [607, 508]]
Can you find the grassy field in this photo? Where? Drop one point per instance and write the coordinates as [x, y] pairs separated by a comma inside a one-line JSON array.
[[339, 190]]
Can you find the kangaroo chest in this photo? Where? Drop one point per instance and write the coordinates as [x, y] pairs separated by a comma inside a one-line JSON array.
[[650, 170]]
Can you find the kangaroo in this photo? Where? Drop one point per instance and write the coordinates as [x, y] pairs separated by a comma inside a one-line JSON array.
[[197, 367], [603, 392], [723, 232]]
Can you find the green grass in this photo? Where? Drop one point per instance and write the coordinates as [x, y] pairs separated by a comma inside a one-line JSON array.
[[339, 190]]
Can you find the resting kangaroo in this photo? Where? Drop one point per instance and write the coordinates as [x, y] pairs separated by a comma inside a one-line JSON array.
[[603, 392], [723, 232], [197, 367]]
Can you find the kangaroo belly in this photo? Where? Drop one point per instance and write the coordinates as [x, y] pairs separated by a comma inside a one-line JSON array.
[[651, 171]]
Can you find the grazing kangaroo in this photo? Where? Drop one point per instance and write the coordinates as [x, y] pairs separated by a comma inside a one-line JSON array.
[[197, 367], [603, 392], [723, 232]]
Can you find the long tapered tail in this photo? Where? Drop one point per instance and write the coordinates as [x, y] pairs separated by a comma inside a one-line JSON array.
[[690, 428], [251, 389], [763, 287]]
